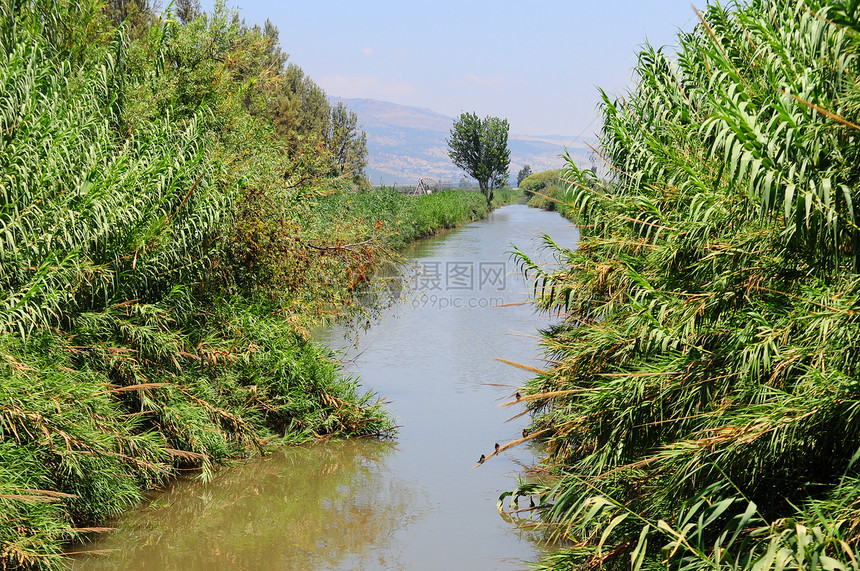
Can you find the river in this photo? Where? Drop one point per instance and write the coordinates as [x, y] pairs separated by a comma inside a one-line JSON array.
[[415, 501]]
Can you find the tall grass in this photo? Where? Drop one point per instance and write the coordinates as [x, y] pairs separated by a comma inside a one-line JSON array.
[[88, 219], [360, 230], [702, 412], [401, 218], [124, 357], [545, 189]]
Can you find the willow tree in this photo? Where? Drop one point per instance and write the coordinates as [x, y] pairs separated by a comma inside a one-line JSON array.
[[480, 147]]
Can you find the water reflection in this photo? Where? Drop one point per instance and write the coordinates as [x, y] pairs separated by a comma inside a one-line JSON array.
[[316, 505]]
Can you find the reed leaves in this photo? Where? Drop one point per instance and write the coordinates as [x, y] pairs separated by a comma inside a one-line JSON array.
[[77, 231], [131, 345], [706, 391]]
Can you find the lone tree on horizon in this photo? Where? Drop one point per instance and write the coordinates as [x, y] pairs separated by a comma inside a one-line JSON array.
[[480, 147]]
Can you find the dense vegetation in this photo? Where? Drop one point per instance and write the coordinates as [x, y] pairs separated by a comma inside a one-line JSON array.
[[179, 205], [403, 218], [547, 190], [703, 408]]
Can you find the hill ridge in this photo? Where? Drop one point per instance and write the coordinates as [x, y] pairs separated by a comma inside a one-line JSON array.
[[406, 143]]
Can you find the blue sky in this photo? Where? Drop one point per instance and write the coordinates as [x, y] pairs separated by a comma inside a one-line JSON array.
[[538, 64]]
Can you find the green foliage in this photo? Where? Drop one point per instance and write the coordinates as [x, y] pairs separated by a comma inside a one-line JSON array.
[[76, 232], [135, 15], [178, 207], [370, 227], [480, 147], [524, 173], [701, 413], [402, 218], [346, 142], [68, 453], [242, 76], [138, 175], [545, 189], [89, 426], [548, 190], [187, 10]]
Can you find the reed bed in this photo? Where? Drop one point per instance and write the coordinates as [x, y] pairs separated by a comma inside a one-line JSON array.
[[703, 408], [131, 346], [400, 219]]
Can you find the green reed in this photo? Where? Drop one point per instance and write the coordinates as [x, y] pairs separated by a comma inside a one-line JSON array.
[[702, 408]]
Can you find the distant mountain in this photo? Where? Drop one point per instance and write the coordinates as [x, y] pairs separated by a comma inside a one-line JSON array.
[[407, 143]]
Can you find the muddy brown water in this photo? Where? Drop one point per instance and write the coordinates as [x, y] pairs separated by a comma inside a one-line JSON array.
[[415, 501]]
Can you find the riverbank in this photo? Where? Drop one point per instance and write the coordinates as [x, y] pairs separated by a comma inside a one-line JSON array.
[[359, 502], [548, 190], [403, 218], [91, 422]]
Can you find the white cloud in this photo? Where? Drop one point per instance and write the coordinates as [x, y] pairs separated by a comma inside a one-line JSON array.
[[368, 51], [364, 86]]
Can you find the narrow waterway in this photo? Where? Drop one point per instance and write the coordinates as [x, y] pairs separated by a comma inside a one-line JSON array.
[[417, 501]]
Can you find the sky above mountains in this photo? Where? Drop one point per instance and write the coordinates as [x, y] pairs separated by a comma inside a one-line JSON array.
[[538, 64]]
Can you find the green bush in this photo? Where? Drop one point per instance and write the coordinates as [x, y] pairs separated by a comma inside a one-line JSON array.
[[539, 182], [547, 190]]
